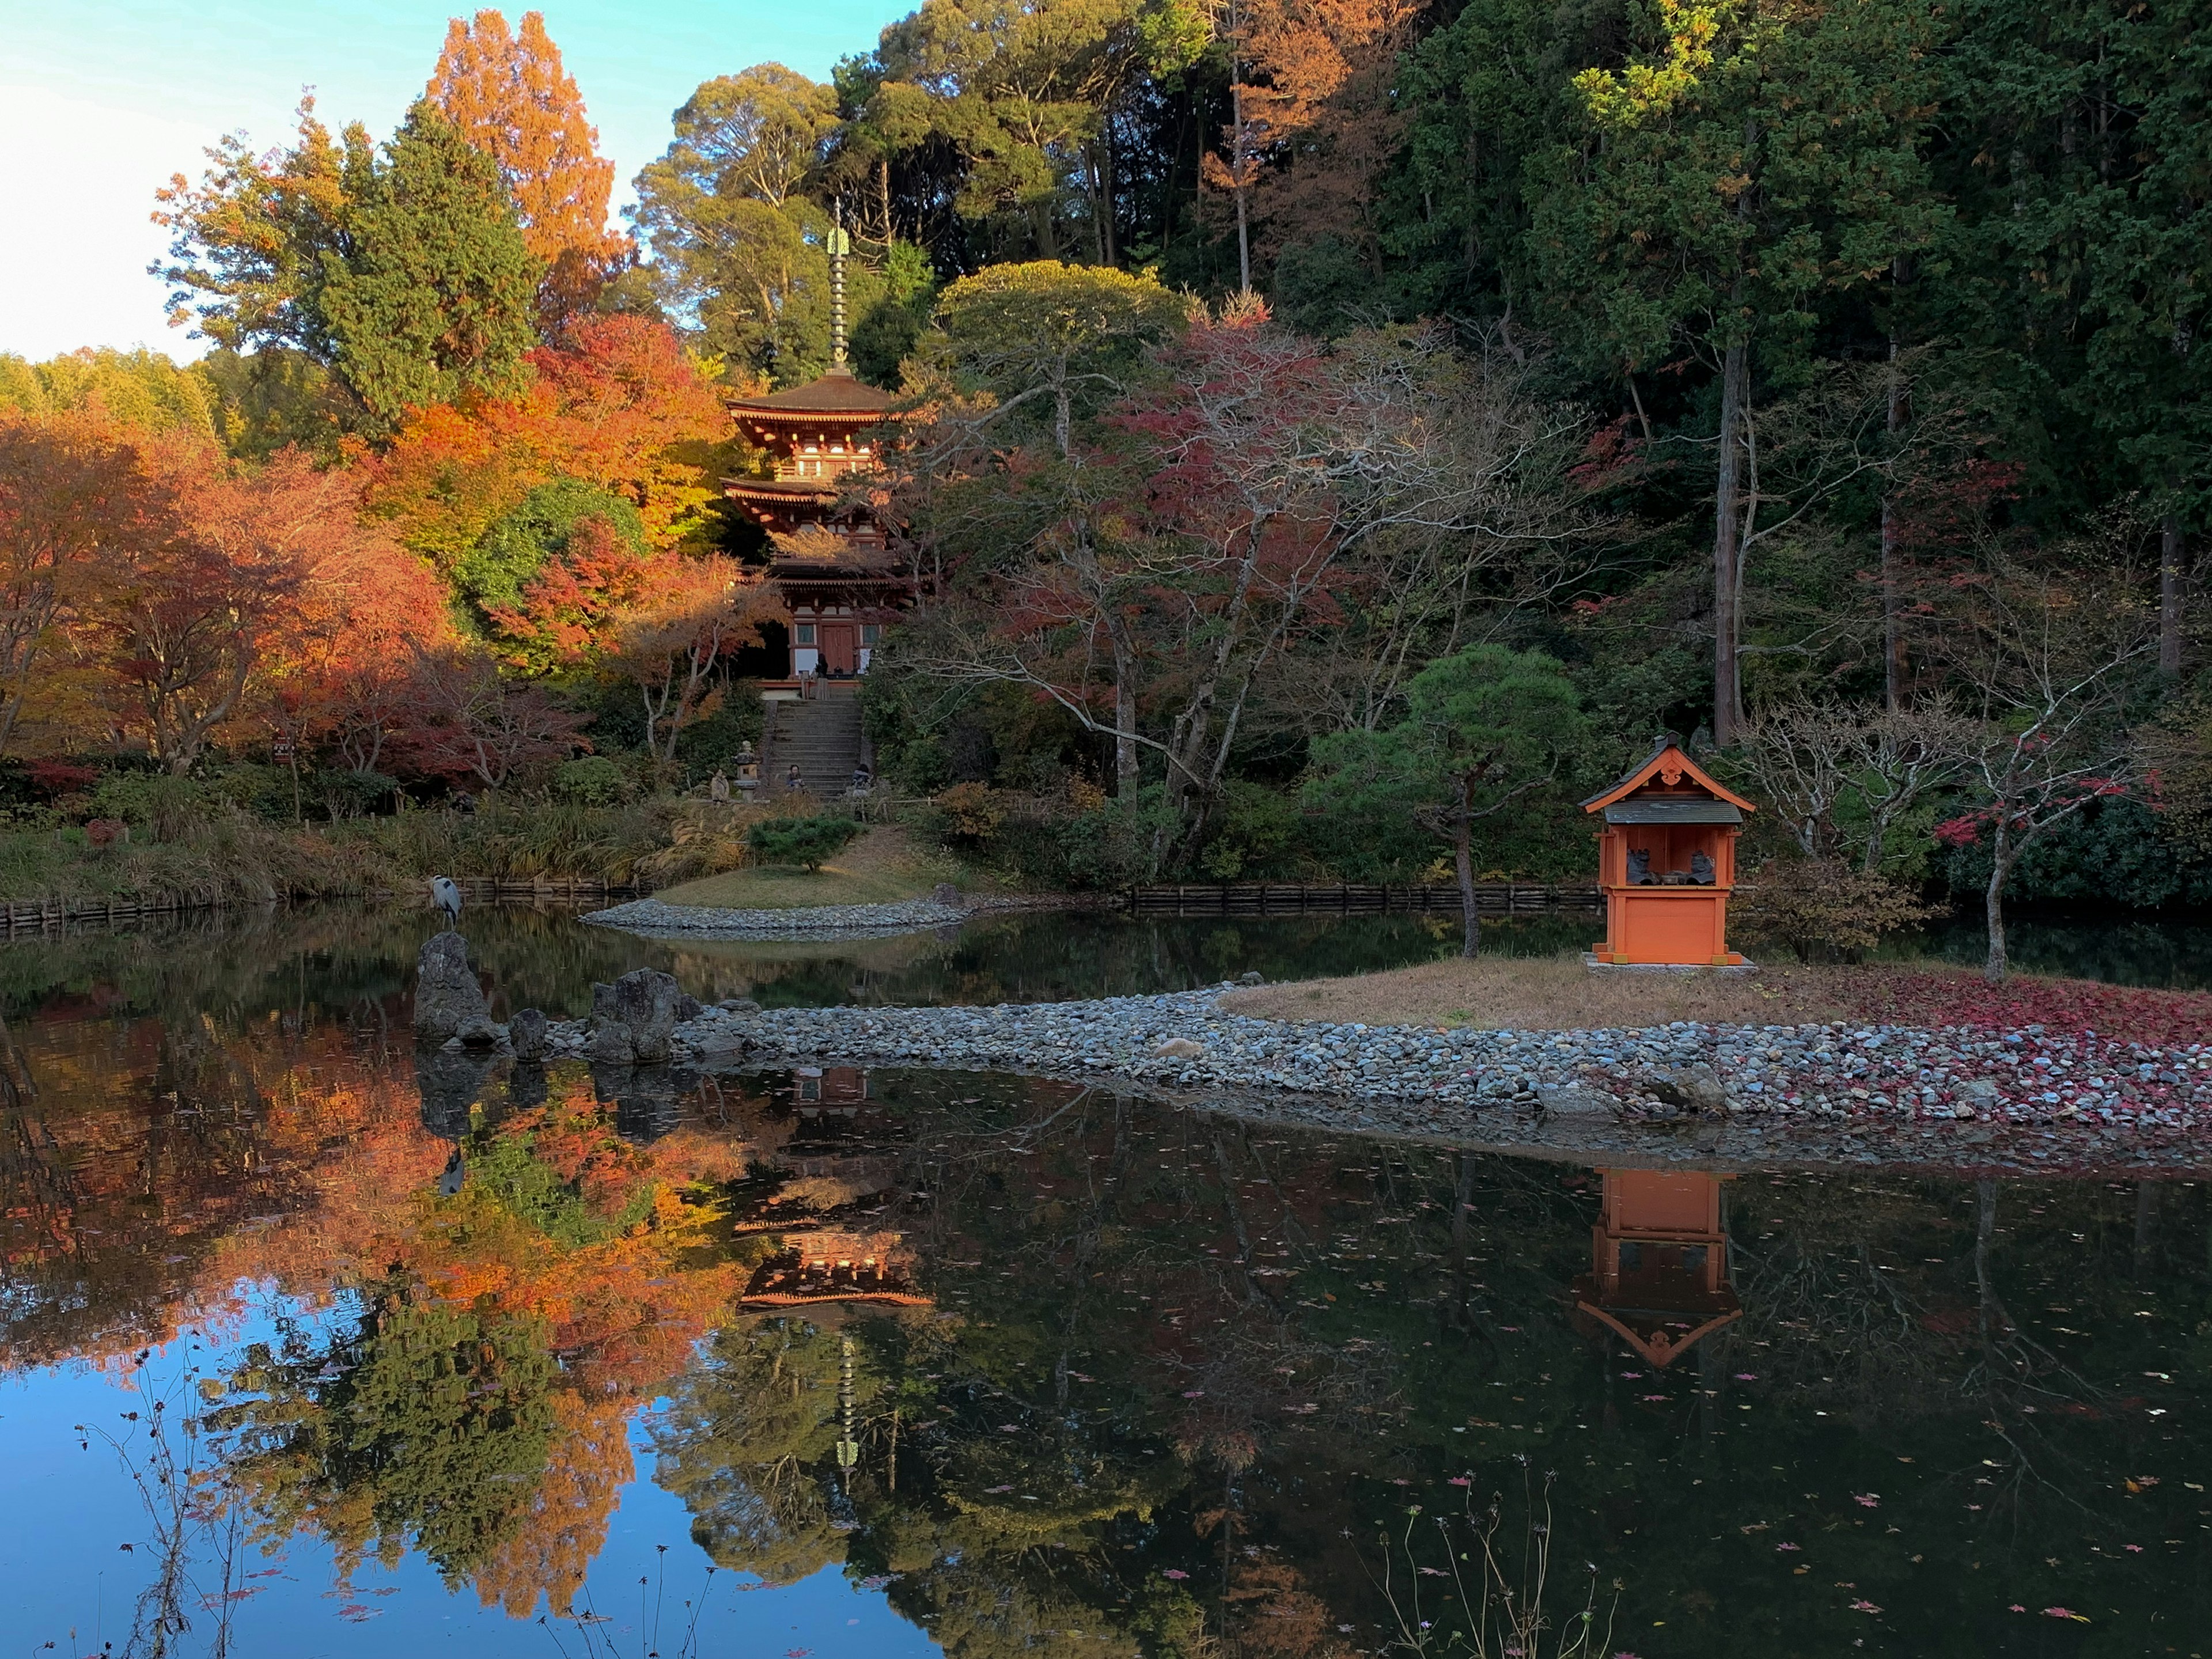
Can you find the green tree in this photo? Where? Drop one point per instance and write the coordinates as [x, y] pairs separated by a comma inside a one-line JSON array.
[[437, 294], [141, 389], [736, 240], [406, 273], [492, 575], [1483, 730], [1050, 337], [1750, 157]]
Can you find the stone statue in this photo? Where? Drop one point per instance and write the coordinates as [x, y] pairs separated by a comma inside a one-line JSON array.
[[1701, 869], [1639, 866], [719, 789]]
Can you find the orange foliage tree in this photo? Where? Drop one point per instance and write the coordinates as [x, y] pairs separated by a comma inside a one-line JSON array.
[[617, 405], [200, 578], [1317, 119], [512, 99], [65, 488]]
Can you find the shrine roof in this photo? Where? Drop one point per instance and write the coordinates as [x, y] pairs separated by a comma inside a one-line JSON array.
[[837, 393], [792, 490], [1671, 768], [1661, 810]]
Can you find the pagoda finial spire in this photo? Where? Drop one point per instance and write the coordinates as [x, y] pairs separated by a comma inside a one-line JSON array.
[[840, 246]]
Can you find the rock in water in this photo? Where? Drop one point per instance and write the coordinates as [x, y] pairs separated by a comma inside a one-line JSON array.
[[447, 994], [634, 1019], [526, 1032]]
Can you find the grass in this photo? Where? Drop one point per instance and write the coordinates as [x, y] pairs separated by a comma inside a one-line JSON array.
[[1551, 994], [882, 867]]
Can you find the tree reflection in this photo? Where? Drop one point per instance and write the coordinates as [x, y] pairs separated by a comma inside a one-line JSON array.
[[423, 1426]]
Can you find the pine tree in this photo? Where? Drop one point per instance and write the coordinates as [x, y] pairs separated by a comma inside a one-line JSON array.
[[510, 97], [436, 295]]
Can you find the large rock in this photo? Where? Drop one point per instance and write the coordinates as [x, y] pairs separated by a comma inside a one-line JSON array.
[[447, 994], [634, 1019], [527, 1032]]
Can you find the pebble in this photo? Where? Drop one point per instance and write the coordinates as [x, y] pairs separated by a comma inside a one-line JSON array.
[[1884, 1076], [656, 920]]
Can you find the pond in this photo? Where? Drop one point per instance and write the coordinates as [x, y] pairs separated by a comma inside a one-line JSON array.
[[830, 1362]]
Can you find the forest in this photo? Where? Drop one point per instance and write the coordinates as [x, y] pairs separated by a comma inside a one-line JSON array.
[[1331, 441]]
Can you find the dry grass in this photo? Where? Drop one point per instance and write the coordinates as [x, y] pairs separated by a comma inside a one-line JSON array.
[[1551, 993], [882, 867]]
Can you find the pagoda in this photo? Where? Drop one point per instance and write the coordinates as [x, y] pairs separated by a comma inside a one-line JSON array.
[[828, 555]]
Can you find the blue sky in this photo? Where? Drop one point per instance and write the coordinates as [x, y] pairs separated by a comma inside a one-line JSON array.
[[100, 101]]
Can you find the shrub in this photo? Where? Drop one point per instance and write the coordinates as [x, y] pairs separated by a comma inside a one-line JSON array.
[[589, 780], [157, 801], [1823, 909], [971, 813], [805, 841]]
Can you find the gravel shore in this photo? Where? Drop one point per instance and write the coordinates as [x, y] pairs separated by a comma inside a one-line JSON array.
[[655, 920], [1871, 1092]]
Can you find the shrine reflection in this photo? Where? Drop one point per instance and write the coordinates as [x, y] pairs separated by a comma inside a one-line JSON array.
[[1659, 1262]]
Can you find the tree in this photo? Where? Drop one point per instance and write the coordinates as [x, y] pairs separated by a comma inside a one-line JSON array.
[[196, 605], [142, 390], [568, 611], [348, 677], [434, 297], [1483, 730], [2048, 655], [619, 406], [1839, 773], [68, 489], [1020, 90], [406, 272], [1315, 119], [493, 575], [508, 95], [1751, 155], [736, 242], [469, 721], [673, 643], [251, 243], [1061, 335]]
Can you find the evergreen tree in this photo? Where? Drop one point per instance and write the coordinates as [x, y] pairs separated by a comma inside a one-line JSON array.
[[436, 296]]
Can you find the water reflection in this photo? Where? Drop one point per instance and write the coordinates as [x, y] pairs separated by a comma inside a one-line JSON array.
[[1012, 1360], [1659, 1273]]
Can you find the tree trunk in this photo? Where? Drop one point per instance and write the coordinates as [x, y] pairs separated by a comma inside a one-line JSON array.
[[1892, 632], [1237, 163], [1727, 547], [1106, 192], [2173, 593], [1463, 862], [1125, 710], [1993, 966]]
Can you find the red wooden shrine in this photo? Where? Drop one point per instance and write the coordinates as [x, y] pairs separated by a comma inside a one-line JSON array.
[[1667, 863], [1659, 1269]]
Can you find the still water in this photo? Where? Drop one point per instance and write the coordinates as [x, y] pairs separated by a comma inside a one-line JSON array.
[[312, 1348]]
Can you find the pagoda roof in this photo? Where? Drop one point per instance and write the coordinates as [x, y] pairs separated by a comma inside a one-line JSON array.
[[1671, 766], [836, 395]]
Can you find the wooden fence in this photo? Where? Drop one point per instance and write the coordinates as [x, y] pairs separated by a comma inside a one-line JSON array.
[[55, 916], [1268, 899]]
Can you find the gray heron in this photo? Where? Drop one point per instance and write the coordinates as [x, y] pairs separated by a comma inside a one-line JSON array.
[[446, 892]]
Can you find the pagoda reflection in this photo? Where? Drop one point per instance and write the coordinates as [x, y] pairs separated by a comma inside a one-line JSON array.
[[1659, 1263]]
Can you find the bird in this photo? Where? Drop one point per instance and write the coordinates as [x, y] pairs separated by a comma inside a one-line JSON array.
[[446, 892]]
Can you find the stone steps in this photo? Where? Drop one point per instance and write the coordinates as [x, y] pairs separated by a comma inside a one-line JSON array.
[[820, 737]]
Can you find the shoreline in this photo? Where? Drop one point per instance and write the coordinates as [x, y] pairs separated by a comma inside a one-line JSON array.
[[652, 918], [1849, 1093]]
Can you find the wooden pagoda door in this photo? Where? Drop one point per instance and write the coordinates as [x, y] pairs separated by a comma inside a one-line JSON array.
[[840, 643]]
